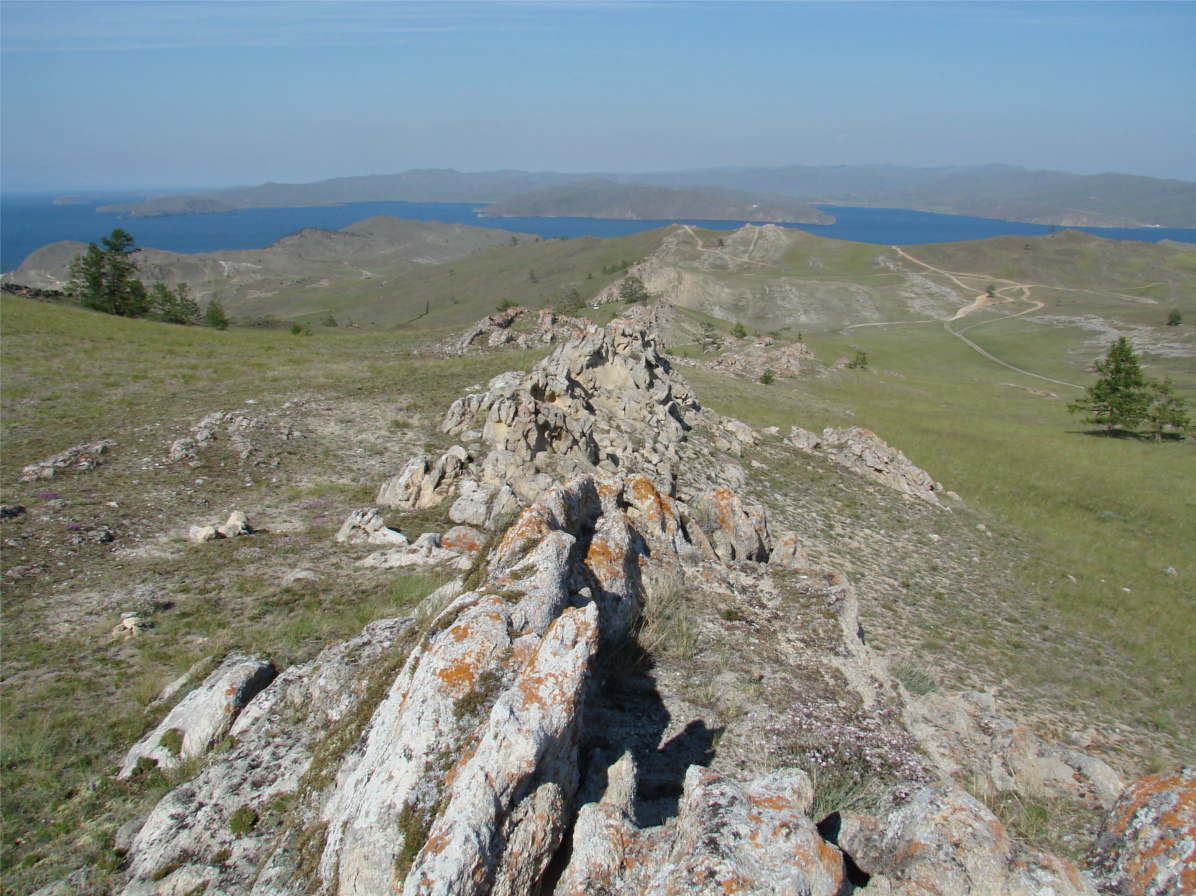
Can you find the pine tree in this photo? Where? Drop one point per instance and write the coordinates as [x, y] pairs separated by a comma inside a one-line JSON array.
[[173, 306], [214, 315], [1119, 397], [1166, 410], [106, 279]]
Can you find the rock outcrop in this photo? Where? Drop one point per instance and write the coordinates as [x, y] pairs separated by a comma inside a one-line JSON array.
[[201, 718], [510, 738], [750, 360], [939, 841], [867, 454], [604, 402], [80, 457], [500, 330], [1147, 845], [974, 744]]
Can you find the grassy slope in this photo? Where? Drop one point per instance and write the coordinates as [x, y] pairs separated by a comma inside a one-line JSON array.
[[1111, 514]]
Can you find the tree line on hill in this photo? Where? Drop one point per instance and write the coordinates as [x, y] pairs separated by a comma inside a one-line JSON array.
[[105, 279], [1123, 398]]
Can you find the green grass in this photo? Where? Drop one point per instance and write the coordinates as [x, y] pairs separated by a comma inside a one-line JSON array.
[[1111, 514]]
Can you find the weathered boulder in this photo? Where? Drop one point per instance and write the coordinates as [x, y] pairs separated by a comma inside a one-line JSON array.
[[1147, 845], [366, 526], [422, 483], [182, 450], [484, 504], [176, 847], [79, 457], [747, 838], [788, 552], [736, 532], [202, 717], [237, 524], [867, 454], [972, 743], [940, 841]]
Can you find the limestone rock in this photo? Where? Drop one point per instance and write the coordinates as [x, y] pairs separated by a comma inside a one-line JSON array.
[[940, 841], [424, 484], [972, 742], [202, 717], [736, 532], [237, 524], [746, 838], [182, 450], [79, 457], [788, 553], [483, 504], [867, 454], [202, 534], [750, 360], [275, 739], [366, 526], [1147, 845]]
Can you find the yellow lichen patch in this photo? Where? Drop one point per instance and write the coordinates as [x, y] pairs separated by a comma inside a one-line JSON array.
[[604, 559], [1173, 825], [776, 802], [474, 631], [436, 844], [538, 686]]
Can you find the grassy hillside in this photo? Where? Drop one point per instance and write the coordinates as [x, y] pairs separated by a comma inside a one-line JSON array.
[[1050, 582], [1103, 518]]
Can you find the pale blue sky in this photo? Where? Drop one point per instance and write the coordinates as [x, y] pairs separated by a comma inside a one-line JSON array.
[[99, 95]]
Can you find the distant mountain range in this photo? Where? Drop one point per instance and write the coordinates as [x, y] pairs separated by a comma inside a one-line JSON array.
[[601, 198], [989, 191]]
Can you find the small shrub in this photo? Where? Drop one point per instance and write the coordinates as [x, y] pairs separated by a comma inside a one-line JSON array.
[[225, 746], [859, 362], [767, 377], [666, 628], [917, 676], [730, 614], [172, 741], [505, 303], [488, 683], [221, 857], [633, 290], [243, 821], [840, 788], [739, 331]]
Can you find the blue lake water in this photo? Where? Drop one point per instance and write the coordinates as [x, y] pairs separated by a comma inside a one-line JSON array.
[[29, 221]]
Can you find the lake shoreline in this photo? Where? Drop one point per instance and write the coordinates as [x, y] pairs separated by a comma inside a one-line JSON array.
[[35, 220]]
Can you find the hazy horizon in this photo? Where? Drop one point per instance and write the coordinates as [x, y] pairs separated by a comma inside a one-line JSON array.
[[190, 95]]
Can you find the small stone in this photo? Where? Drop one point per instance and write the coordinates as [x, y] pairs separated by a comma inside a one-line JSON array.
[[201, 534]]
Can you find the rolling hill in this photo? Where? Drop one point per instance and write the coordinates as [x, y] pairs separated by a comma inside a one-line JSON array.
[[994, 191]]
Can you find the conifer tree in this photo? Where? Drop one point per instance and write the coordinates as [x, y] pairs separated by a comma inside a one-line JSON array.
[[214, 315], [1166, 410], [106, 279], [1119, 397]]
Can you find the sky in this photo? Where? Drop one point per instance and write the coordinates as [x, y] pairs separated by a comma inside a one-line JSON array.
[[177, 95]]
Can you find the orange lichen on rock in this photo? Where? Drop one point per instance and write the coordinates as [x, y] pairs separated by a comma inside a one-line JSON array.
[[1147, 845]]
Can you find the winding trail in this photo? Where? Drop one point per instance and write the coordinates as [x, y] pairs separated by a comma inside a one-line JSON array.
[[730, 258], [984, 299]]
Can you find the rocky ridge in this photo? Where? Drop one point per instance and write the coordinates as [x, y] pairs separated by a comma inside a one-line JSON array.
[[513, 737]]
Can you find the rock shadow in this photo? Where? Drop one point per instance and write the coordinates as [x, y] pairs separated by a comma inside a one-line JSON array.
[[626, 712]]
